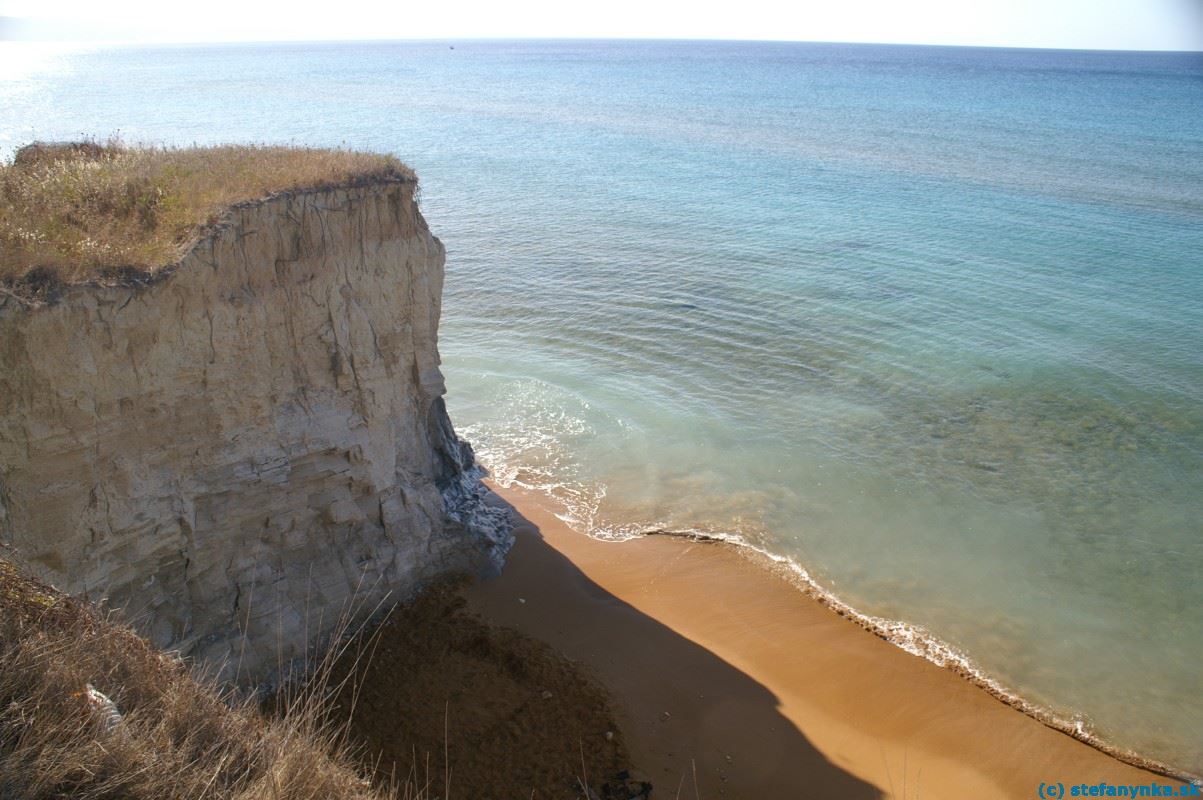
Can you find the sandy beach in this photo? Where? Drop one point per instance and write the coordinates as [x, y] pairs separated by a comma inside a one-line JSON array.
[[725, 674]]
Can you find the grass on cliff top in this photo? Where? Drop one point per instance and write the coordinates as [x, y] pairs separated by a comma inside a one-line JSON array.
[[80, 211], [176, 738]]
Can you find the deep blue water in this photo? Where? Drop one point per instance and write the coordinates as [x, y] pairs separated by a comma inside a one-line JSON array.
[[926, 321]]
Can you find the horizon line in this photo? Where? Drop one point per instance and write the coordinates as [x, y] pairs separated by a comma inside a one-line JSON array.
[[567, 38]]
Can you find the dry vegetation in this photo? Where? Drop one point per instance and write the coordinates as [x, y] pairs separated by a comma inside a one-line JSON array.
[[82, 211], [176, 738], [480, 712]]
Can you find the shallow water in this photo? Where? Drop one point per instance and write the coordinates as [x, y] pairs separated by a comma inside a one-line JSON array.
[[927, 321]]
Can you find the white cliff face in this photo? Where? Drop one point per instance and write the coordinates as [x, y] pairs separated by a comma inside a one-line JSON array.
[[252, 441]]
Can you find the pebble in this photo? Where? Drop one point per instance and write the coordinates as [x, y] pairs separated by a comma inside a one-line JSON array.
[[609, 736], [665, 715], [547, 695], [521, 599]]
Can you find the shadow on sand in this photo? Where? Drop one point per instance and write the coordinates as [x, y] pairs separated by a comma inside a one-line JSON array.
[[685, 712]]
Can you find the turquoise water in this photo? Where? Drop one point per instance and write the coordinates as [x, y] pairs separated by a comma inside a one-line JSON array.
[[928, 322]]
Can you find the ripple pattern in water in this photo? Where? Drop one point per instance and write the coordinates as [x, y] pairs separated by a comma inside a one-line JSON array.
[[928, 321]]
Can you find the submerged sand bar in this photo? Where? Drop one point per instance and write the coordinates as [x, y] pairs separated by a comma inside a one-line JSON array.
[[715, 663]]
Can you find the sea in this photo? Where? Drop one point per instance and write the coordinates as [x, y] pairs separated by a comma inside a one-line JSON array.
[[924, 324]]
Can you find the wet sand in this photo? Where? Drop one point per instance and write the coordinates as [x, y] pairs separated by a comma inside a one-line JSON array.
[[723, 670]]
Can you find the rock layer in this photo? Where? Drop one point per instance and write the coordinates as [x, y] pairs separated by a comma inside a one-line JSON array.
[[253, 443]]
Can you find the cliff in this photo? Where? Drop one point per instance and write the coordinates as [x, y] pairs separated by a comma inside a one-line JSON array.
[[250, 440]]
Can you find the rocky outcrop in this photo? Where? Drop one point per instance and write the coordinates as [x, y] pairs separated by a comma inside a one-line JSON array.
[[254, 440]]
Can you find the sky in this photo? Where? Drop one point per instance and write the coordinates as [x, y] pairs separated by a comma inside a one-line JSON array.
[[1086, 24]]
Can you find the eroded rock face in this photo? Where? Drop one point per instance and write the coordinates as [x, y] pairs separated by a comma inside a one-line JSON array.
[[253, 441]]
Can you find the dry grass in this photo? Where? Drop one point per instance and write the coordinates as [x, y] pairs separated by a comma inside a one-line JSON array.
[[178, 737], [78, 212]]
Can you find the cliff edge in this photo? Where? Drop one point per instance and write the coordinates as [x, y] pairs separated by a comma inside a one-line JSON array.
[[240, 447]]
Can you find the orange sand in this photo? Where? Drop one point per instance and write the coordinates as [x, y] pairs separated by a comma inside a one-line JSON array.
[[720, 668]]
